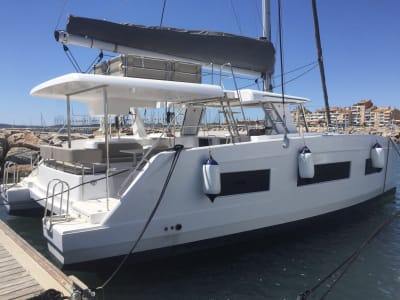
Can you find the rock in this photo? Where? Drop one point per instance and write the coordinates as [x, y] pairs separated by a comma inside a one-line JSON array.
[[3, 146], [25, 139], [21, 155]]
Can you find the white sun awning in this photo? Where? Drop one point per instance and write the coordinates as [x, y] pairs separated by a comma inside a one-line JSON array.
[[122, 92]]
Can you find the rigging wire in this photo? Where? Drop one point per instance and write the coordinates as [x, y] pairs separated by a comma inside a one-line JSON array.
[[313, 65], [285, 138], [68, 52], [236, 17], [71, 58], [298, 68], [297, 77], [61, 14], [282, 75], [98, 59], [75, 63], [162, 14]]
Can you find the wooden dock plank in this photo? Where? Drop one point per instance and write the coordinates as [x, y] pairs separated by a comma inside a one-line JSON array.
[[3, 252], [25, 283], [25, 293], [12, 281], [12, 277], [5, 259], [14, 268], [24, 272]]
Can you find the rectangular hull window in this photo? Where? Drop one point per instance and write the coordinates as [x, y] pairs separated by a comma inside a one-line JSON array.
[[244, 182], [327, 172], [369, 169]]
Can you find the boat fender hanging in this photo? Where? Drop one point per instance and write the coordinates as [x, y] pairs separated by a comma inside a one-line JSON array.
[[306, 163], [211, 178], [377, 156]]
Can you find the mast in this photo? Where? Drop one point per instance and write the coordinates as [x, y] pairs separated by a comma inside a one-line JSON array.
[[266, 20], [321, 61]]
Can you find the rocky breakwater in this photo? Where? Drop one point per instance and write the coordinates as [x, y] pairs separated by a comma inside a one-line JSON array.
[[394, 134], [22, 147]]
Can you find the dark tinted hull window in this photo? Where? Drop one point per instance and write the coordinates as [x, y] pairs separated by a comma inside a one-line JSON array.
[[244, 182], [327, 172]]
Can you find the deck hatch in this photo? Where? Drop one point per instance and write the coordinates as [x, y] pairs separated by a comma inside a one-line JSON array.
[[245, 182], [327, 172]]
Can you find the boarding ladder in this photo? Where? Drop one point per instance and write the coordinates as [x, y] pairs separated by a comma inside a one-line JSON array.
[[51, 217], [303, 120], [230, 118], [226, 108], [10, 165], [274, 118]]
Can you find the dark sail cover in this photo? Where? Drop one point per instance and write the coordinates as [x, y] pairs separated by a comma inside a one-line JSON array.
[[206, 46]]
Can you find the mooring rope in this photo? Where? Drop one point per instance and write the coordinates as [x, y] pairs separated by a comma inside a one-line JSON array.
[[178, 149], [345, 265]]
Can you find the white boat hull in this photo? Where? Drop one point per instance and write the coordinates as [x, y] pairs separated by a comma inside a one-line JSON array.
[[187, 215]]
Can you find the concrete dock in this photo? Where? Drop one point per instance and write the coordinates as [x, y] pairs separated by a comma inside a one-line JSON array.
[[25, 273]]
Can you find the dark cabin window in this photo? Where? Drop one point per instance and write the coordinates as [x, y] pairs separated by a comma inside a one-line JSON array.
[[369, 169], [244, 182], [327, 172]]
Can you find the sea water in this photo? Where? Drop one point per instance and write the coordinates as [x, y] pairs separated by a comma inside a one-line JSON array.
[[272, 266]]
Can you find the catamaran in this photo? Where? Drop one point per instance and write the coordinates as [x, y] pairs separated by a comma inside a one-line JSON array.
[[195, 182]]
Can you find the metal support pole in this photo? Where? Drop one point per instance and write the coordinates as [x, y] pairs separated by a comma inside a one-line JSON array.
[[69, 121], [266, 19], [106, 142], [266, 8]]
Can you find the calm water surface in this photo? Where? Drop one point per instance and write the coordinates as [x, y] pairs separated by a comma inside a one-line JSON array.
[[273, 266]]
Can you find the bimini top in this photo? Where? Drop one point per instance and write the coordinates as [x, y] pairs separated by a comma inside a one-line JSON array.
[[122, 92], [253, 97], [125, 92]]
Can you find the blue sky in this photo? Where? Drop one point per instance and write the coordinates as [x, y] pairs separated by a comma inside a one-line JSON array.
[[360, 40]]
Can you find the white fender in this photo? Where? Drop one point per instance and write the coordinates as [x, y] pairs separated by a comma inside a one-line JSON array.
[[378, 156], [211, 178], [306, 163]]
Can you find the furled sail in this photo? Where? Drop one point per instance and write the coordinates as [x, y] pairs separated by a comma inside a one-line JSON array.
[[256, 55]]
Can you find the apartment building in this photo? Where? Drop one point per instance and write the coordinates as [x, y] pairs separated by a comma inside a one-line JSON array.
[[363, 113]]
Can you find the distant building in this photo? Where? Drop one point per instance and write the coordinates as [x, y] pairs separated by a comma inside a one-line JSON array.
[[385, 116], [340, 116], [298, 115], [363, 113]]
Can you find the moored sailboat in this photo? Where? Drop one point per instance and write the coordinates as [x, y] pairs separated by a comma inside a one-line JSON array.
[[192, 183]]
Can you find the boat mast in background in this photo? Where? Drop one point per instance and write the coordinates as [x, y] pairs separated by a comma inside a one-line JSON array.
[[321, 61], [266, 10]]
